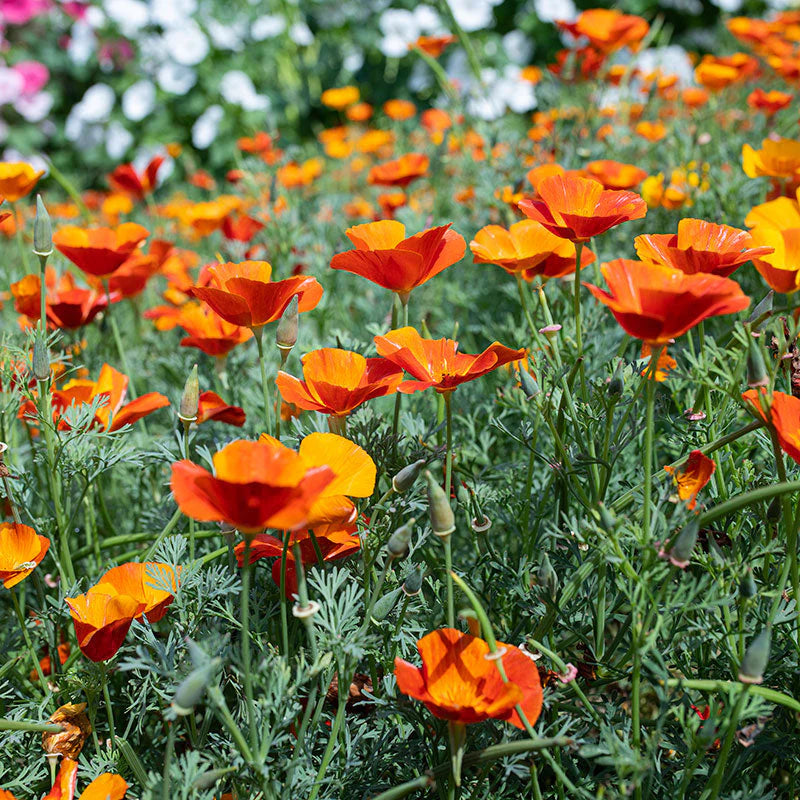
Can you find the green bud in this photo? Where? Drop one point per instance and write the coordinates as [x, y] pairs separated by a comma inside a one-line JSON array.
[[607, 518], [529, 384], [617, 383], [385, 604], [443, 521], [680, 554], [400, 539], [463, 496], [41, 358], [407, 476], [546, 577], [756, 657], [190, 399], [413, 583], [757, 374], [207, 779], [286, 334], [747, 585], [42, 230], [193, 688]]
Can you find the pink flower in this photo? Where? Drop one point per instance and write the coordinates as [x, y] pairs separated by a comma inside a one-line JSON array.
[[34, 76], [76, 10], [18, 12]]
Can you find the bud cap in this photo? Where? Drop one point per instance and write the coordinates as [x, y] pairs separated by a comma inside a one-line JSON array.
[[443, 520], [42, 230], [407, 476]]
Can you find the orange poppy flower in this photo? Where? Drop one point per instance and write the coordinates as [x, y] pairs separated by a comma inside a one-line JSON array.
[[111, 386], [206, 330], [205, 218], [700, 246], [340, 98], [338, 381], [614, 174], [399, 110], [579, 208], [384, 256], [769, 102], [67, 305], [775, 159], [46, 665], [21, 550], [141, 582], [434, 46], [107, 786], [694, 97], [527, 247], [241, 228], [256, 486], [133, 275], [436, 362], [399, 172], [783, 415], [17, 180], [608, 30], [664, 365], [99, 251], [652, 131], [781, 268], [213, 408], [294, 175], [391, 201], [458, 682], [244, 294], [693, 476], [719, 72], [656, 303], [102, 622], [126, 180]]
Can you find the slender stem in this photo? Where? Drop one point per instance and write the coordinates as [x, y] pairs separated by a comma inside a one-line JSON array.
[[711, 792], [28, 643], [258, 333], [335, 728], [284, 351], [284, 611], [112, 319], [448, 566], [247, 677], [169, 752], [448, 467], [648, 443], [302, 597], [107, 701]]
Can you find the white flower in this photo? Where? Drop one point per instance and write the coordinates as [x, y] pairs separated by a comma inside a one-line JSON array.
[[353, 60], [301, 34], [176, 78], [518, 47], [672, 60], [139, 100], [94, 17], [267, 27], [473, 15], [172, 13], [82, 43], [551, 10], [35, 107], [187, 45], [96, 103], [427, 19], [237, 88], [206, 126], [728, 5], [118, 140], [130, 15], [227, 37], [11, 84], [400, 28]]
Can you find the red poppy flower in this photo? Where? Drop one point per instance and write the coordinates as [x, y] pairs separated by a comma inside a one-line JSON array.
[[614, 174], [458, 682], [384, 256], [106, 786], [99, 251], [102, 622], [783, 415], [692, 476], [700, 246], [579, 208], [244, 294], [436, 362], [655, 303], [241, 228], [399, 172], [132, 276], [213, 407], [125, 179], [21, 550], [207, 330], [338, 381], [257, 485]]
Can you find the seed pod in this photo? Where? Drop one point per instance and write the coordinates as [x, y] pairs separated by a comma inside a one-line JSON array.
[[546, 577], [757, 374], [286, 334], [443, 521], [747, 585], [190, 399], [756, 657], [385, 604], [193, 688], [41, 358], [407, 476], [616, 385], [399, 540], [528, 384], [680, 554], [42, 230], [413, 583]]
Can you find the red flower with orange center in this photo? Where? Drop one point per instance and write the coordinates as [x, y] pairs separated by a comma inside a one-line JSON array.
[[655, 303], [782, 414], [384, 256], [99, 251], [125, 179], [144, 583], [399, 172], [244, 294], [769, 102], [207, 331], [579, 208], [21, 550], [458, 682], [692, 476], [102, 622], [700, 246], [256, 485], [213, 408], [436, 362], [338, 381]]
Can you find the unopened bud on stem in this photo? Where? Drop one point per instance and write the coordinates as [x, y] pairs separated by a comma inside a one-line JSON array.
[[190, 399], [407, 476], [41, 357], [756, 658], [443, 520], [399, 540], [286, 335], [42, 231]]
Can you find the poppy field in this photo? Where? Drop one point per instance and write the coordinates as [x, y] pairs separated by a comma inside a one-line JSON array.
[[446, 449]]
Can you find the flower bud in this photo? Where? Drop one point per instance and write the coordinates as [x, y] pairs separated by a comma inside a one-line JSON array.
[[529, 384], [617, 383], [42, 230], [190, 399], [680, 554], [756, 657], [443, 521], [75, 731], [286, 334], [607, 518], [747, 585], [546, 577], [413, 583], [385, 604], [193, 688], [205, 780], [763, 310], [41, 358], [399, 540], [407, 476], [756, 368]]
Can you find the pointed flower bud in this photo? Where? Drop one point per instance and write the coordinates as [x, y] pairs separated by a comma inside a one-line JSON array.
[[757, 374], [385, 604], [407, 476], [286, 335], [617, 383], [42, 230], [413, 583], [41, 358], [443, 521], [756, 657], [529, 384], [747, 585], [193, 688], [546, 577], [190, 399], [399, 541], [680, 554]]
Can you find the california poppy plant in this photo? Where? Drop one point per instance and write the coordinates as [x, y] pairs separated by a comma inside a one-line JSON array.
[[614, 174], [655, 303], [401, 171], [102, 622], [256, 485], [211, 407], [17, 180], [692, 476], [137, 185], [143, 583], [99, 251], [385, 256], [436, 363], [782, 414], [608, 29], [207, 331], [580, 208], [21, 551], [700, 246], [245, 294], [106, 786], [458, 682], [338, 381]]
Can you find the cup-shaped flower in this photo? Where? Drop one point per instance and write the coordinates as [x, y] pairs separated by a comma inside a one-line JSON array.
[[209, 332], [127, 180], [106, 786], [655, 303], [777, 158], [783, 415], [21, 550], [99, 251], [338, 381], [144, 583], [458, 682], [692, 476], [244, 294], [608, 29], [212, 407], [579, 208], [401, 171], [255, 486], [102, 621], [527, 248], [385, 256], [780, 268], [615, 174], [436, 362], [700, 246], [17, 180]]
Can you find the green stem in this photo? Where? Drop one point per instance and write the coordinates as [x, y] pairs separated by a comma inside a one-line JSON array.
[[448, 566], [284, 610], [258, 333], [247, 677], [123, 359], [448, 467], [648, 443], [29, 727], [169, 752], [107, 701], [28, 643]]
